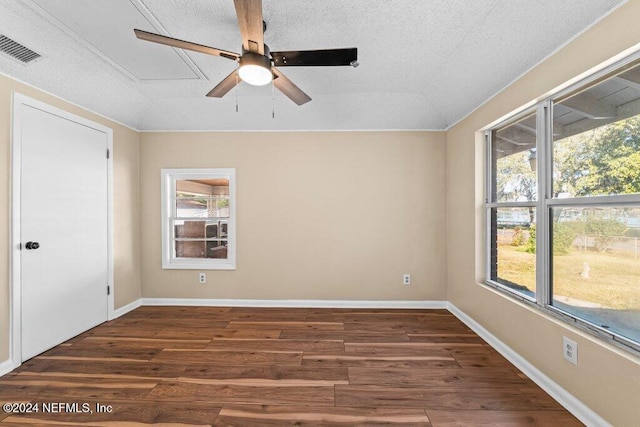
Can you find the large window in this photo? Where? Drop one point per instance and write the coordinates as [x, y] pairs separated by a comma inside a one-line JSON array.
[[198, 212], [563, 204]]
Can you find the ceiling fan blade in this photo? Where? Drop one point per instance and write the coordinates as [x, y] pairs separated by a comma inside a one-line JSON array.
[[317, 58], [181, 44], [287, 87], [249, 14], [225, 85]]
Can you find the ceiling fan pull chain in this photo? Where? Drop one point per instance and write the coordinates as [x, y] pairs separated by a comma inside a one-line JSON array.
[[273, 99]]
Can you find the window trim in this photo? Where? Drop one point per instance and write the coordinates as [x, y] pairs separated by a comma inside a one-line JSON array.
[[168, 180], [545, 202]]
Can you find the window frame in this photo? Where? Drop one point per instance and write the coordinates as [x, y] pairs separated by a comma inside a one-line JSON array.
[[490, 204], [546, 202], [168, 184]]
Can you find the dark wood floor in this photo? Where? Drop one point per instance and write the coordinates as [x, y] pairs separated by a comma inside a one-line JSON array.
[[263, 367]]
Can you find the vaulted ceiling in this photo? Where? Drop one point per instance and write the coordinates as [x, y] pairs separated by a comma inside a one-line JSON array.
[[424, 64]]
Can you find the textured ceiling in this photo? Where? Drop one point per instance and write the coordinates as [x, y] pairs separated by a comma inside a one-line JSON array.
[[424, 64]]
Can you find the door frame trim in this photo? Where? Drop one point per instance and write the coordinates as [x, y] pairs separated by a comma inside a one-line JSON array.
[[19, 102]]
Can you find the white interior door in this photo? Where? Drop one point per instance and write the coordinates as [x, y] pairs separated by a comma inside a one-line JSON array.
[[64, 213]]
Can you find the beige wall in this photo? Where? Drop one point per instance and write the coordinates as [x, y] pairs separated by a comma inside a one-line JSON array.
[[126, 205], [606, 379], [321, 215]]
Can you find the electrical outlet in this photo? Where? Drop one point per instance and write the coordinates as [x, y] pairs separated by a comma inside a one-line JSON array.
[[406, 279], [202, 277], [570, 350]]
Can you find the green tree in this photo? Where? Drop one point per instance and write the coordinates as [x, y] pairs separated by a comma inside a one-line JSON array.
[[601, 161], [531, 242], [518, 238], [515, 181], [564, 233]]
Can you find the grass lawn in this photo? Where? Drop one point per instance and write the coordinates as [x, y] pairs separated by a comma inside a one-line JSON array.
[[614, 277]]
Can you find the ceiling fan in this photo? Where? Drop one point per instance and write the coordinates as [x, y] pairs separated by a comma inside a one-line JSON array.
[[257, 65]]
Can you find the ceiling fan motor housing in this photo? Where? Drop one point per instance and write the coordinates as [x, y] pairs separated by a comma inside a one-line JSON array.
[[255, 69]]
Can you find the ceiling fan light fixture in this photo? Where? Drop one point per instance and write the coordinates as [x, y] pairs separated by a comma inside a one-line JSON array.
[[255, 69]]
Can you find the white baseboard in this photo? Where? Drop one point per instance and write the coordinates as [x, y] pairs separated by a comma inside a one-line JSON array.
[[6, 367], [566, 399], [127, 308], [295, 303]]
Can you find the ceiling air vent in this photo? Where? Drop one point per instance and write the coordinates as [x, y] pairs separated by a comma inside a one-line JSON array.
[[16, 50]]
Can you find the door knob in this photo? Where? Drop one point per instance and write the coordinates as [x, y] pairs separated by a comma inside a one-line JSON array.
[[32, 245]]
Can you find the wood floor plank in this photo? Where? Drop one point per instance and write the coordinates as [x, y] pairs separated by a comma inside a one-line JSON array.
[[215, 357], [315, 346], [493, 360], [122, 412], [217, 394], [278, 366], [20, 422], [365, 317], [140, 331], [259, 382], [180, 312], [103, 369], [270, 371], [463, 377], [433, 398], [130, 352], [418, 348], [171, 322], [346, 336], [379, 361], [81, 388], [263, 416], [212, 333], [484, 418], [376, 315], [387, 326], [407, 327], [265, 375], [541, 399], [92, 359], [446, 338], [268, 315], [305, 326], [16, 391], [119, 342]]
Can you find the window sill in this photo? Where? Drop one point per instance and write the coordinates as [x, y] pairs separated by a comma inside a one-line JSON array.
[[566, 319], [198, 265]]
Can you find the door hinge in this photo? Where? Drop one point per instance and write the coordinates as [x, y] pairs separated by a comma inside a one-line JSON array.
[[108, 290], [108, 153]]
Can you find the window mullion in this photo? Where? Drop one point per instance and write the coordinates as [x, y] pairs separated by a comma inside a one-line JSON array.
[[488, 199], [611, 200], [171, 209], [544, 171], [512, 204]]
